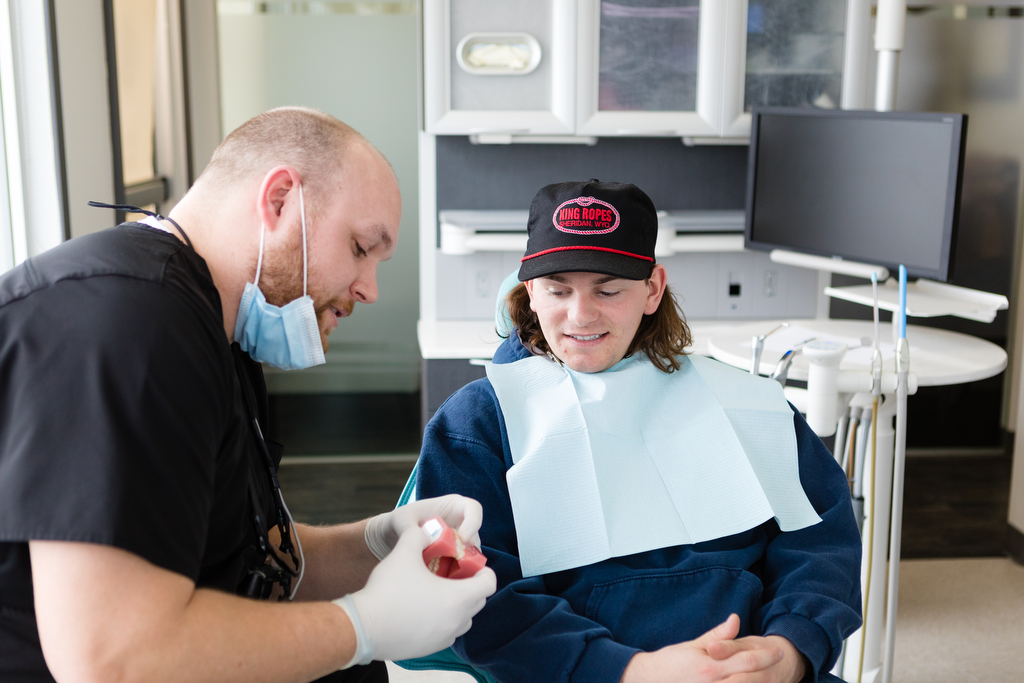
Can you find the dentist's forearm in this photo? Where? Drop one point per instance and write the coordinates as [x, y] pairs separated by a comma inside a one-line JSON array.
[[337, 561], [117, 617]]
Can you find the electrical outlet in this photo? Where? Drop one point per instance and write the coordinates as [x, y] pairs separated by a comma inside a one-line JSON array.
[[467, 285], [483, 284], [738, 284], [771, 283], [735, 289]]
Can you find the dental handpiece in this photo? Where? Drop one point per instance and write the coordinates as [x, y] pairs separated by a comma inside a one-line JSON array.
[[757, 346]]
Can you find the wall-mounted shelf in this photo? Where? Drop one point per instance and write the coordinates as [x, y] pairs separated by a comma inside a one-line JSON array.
[[467, 232], [699, 231], [672, 243]]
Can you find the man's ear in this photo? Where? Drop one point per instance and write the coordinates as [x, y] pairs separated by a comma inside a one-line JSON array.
[[274, 193], [655, 289], [529, 290]]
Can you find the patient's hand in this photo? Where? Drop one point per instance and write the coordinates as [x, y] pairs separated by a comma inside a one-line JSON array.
[[719, 656], [790, 669]]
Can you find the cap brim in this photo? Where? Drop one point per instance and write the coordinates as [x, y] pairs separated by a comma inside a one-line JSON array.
[[585, 261]]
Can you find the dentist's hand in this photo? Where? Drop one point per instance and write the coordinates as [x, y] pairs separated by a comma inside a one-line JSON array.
[[460, 513], [405, 611]]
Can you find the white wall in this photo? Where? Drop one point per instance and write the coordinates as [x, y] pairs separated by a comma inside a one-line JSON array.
[[361, 68]]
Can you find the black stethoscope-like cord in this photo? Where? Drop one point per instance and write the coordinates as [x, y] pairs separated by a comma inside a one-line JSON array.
[[128, 208], [284, 522]]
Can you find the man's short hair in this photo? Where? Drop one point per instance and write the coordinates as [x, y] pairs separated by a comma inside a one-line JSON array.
[[312, 142], [663, 335]]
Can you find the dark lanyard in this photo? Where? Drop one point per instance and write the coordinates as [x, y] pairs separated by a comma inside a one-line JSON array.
[[128, 208], [281, 573]]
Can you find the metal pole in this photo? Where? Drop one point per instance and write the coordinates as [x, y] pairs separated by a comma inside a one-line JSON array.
[[876, 392], [886, 82], [899, 463], [890, 28]]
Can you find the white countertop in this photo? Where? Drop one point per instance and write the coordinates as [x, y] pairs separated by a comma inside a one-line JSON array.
[[440, 339], [448, 339], [937, 357]]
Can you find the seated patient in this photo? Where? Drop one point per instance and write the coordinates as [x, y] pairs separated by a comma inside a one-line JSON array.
[[651, 516]]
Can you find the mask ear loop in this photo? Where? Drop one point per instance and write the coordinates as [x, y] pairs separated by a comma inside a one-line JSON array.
[[259, 261], [263, 228], [302, 213]]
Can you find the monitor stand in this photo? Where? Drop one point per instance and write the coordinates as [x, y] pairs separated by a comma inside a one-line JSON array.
[[829, 265]]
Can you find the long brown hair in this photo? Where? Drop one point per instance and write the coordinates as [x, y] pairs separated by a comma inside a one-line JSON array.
[[662, 335]]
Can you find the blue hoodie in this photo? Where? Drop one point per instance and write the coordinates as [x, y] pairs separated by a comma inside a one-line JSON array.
[[585, 624]]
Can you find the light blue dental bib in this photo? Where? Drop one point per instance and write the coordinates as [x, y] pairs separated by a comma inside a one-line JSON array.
[[634, 459]]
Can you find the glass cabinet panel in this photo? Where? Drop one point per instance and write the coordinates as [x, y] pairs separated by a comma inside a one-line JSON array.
[[648, 55], [794, 53], [651, 67]]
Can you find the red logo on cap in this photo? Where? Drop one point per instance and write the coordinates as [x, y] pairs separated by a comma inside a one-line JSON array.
[[584, 218]]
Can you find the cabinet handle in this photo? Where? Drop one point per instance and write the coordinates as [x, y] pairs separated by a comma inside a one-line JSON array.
[[646, 133]]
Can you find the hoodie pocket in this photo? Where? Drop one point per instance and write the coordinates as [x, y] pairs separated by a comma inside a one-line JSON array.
[[651, 611]]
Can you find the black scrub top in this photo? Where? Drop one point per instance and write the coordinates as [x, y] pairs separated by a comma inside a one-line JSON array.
[[122, 419]]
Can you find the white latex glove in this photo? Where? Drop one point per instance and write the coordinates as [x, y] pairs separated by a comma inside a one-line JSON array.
[[460, 513], [405, 611]]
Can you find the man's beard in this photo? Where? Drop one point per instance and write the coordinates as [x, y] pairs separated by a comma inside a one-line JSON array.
[[281, 283]]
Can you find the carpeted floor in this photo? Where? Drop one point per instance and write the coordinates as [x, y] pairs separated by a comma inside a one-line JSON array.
[[960, 621]]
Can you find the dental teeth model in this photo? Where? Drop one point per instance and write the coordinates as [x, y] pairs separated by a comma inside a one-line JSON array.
[[448, 555]]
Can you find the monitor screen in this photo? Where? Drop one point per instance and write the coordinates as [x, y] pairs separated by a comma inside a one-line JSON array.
[[881, 188]]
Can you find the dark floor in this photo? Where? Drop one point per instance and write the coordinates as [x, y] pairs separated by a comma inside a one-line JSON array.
[[343, 492], [332, 427], [344, 424], [954, 506]]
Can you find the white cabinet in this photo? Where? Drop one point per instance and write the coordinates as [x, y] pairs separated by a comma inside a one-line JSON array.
[[632, 67], [499, 67]]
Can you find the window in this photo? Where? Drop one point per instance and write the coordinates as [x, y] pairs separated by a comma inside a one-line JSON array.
[[147, 102]]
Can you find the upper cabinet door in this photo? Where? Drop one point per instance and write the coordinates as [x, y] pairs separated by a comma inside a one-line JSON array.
[[792, 55], [494, 66], [650, 67]]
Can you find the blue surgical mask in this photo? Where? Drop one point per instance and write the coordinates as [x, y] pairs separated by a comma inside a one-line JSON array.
[[287, 337]]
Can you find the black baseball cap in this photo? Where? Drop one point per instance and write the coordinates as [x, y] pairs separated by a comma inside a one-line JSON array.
[[590, 226]]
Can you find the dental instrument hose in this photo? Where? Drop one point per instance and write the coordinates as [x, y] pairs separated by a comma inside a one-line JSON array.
[[899, 463], [876, 391]]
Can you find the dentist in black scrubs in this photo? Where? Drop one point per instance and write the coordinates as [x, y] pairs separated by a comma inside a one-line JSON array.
[[142, 533]]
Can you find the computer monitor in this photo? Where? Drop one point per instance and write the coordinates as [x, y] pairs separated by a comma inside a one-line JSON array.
[[881, 188]]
